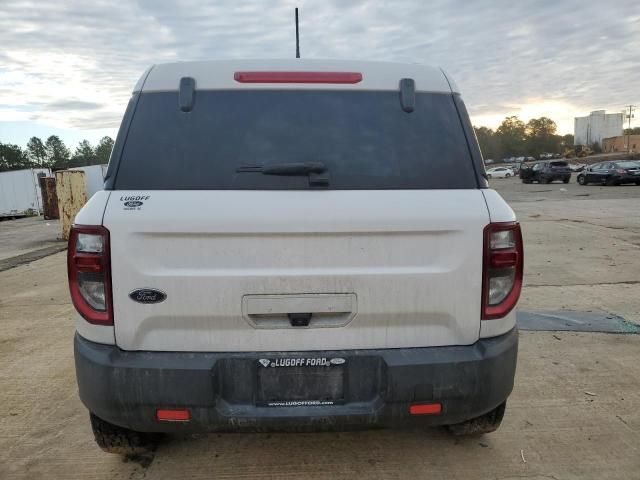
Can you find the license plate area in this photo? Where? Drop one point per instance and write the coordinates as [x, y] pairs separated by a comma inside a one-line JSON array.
[[300, 382]]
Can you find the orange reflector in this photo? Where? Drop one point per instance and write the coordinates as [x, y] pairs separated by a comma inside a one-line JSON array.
[[426, 409], [181, 415]]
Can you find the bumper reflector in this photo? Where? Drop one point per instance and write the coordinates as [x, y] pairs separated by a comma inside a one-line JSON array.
[[426, 409], [178, 415]]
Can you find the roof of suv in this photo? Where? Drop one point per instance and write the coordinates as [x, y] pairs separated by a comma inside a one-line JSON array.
[[214, 75]]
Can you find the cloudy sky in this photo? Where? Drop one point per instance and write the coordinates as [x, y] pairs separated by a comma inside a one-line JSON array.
[[67, 66]]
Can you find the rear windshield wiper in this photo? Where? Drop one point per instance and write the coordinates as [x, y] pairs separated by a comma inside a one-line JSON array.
[[294, 168], [317, 171]]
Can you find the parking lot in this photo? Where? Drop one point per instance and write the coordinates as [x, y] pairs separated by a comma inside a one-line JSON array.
[[574, 413]]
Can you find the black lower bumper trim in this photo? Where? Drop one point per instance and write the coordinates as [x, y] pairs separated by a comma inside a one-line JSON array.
[[222, 391]]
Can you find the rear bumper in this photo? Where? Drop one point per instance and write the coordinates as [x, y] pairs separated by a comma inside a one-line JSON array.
[[219, 389], [627, 178]]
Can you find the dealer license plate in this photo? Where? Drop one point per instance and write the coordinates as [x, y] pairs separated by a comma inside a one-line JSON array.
[[299, 382]]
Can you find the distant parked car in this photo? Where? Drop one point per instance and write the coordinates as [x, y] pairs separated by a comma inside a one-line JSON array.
[[546, 172], [611, 173], [499, 172]]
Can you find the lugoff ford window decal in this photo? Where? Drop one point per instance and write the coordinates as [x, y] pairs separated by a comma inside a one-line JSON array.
[[133, 202]]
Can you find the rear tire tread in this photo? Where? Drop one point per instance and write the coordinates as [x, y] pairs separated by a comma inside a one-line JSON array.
[[487, 423], [122, 441]]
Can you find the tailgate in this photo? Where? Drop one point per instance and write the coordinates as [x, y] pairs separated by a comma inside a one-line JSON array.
[[375, 269]]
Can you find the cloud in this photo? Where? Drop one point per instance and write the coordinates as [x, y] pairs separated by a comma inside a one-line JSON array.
[[71, 105], [73, 63]]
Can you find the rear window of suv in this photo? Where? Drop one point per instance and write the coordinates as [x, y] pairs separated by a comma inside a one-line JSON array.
[[364, 139]]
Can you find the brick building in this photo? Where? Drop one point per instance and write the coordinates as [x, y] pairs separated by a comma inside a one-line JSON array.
[[619, 143]]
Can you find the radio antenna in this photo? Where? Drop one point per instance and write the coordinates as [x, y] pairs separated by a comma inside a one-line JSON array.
[[297, 36]]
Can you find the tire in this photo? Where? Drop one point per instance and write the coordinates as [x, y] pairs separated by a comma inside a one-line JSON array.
[[487, 423], [546, 180], [582, 180], [637, 183], [565, 180], [507, 175], [122, 441], [488, 176]]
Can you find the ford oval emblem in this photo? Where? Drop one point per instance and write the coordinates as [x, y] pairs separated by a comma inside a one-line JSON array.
[[147, 295], [133, 204], [337, 361]]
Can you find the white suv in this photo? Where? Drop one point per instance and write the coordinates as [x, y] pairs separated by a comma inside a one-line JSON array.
[[294, 244]]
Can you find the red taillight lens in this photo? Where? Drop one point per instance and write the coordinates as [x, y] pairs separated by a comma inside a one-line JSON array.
[[501, 269], [89, 269], [297, 77]]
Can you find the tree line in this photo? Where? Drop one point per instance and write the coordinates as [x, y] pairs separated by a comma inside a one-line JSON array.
[[53, 153], [514, 138]]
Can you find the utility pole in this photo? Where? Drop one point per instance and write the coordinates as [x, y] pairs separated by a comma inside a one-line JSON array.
[[629, 116]]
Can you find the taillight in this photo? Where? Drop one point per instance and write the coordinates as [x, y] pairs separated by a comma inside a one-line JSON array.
[[621, 171], [501, 269], [89, 269]]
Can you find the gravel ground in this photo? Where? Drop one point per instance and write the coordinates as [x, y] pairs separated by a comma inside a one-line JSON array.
[[24, 236]]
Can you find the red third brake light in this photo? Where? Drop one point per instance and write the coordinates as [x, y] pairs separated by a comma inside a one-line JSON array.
[[501, 269], [89, 269], [297, 77]]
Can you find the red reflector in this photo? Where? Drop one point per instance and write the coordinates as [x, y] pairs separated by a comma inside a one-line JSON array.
[[88, 263], [297, 77], [426, 409], [181, 415], [500, 259]]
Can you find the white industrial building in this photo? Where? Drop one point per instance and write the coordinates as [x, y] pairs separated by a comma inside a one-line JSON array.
[[597, 126]]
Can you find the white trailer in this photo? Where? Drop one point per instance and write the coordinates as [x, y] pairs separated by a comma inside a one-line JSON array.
[[20, 193], [94, 178]]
